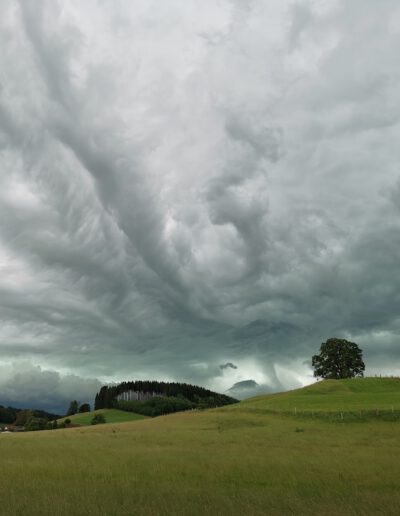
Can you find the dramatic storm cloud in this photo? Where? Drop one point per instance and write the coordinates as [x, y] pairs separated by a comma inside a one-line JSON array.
[[23, 385], [185, 185]]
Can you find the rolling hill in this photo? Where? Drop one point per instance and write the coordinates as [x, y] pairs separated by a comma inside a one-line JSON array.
[[111, 416], [335, 395], [241, 459]]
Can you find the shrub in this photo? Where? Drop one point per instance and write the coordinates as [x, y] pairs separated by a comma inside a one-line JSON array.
[[35, 423], [98, 419], [85, 407]]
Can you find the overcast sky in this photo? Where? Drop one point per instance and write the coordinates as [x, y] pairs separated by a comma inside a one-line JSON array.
[[192, 190]]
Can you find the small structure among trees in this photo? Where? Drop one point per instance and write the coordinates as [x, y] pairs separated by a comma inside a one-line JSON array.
[[338, 358]]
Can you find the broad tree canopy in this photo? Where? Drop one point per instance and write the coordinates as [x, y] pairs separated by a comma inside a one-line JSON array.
[[338, 358]]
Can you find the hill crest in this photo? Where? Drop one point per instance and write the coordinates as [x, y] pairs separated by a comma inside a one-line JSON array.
[[347, 394]]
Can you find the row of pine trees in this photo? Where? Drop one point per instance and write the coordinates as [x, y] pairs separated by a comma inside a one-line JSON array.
[[106, 397]]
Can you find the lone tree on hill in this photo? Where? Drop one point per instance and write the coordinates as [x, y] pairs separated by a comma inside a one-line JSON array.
[[338, 358]]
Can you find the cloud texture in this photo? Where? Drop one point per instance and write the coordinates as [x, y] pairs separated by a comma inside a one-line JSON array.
[[23, 385], [186, 185]]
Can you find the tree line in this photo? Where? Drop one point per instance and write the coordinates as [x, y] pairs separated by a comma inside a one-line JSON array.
[[196, 396], [18, 417], [76, 408]]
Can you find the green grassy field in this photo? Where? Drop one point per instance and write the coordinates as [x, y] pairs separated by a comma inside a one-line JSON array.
[[236, 460], [344, 395], [111, 416]]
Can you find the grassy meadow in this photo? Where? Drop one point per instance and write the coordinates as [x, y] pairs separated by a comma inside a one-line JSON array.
[[333, 395], [240, 459], [111, 416]]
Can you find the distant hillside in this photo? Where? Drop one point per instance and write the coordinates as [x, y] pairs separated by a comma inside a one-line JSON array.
[[8, 415], [349, 394], [169, 397], [110, 415]]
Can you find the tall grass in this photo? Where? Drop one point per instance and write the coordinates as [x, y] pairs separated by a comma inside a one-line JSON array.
[[228, 461]]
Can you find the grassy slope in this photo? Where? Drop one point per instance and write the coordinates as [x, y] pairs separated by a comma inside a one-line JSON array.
[[352, 394], [225, 461], [111, 415]]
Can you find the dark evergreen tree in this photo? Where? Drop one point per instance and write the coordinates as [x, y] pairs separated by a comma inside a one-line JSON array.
[[338, 358], [101, 398], [73, 408]]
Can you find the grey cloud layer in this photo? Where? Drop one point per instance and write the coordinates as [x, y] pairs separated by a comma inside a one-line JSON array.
[[23, 385], [182, 187]]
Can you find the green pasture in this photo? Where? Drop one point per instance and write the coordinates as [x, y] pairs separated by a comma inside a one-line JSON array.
[[111, 416], [335, 395], [227, 461]]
